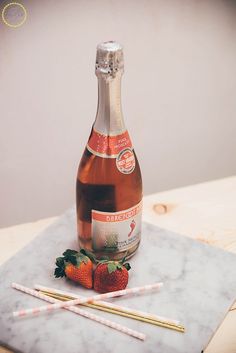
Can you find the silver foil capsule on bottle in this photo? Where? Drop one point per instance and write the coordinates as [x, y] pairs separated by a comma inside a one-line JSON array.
[[109, 69], [109, 59]]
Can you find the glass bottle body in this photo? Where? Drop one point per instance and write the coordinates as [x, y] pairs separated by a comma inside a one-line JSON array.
[[109, 183], [101, 186]]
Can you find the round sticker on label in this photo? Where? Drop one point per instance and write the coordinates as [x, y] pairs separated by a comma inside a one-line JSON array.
[[125, 161]]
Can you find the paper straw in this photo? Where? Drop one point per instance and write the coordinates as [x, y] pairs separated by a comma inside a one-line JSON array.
[[122, 312], [116, 307], [50, 308], [178, 328], [81, 312], [164, 324]]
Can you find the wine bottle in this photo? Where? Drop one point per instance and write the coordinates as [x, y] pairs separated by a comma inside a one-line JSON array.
[[109, 182]]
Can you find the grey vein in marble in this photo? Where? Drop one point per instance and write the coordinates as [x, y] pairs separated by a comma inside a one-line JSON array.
[[199, 288]]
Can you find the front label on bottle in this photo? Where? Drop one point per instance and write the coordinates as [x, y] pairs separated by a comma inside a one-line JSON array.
[[116, 231], [108, 146]]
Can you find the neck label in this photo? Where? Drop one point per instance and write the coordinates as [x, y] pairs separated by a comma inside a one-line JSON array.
[[108, 146]]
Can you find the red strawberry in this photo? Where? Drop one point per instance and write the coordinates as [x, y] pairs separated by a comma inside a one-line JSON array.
[[110, 276], [76, 266]]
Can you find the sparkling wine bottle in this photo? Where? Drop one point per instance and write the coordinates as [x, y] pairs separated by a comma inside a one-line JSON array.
[[109, 182]]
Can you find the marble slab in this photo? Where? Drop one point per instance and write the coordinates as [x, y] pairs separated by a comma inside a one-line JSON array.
[[199, 288]]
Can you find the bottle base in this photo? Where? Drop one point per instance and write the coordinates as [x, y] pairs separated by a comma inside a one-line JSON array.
[[116, 255]]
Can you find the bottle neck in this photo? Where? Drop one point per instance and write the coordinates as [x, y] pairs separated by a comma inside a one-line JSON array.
[[109, 118]]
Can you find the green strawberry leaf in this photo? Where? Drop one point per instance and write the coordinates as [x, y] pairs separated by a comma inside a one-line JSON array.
[[69, 252], [70, 256], [60, 262], [89, 254], [60, 269], [111, 267], [127, 266], [119, 266], [59, 272], [81, 258], [124, 258], [72, 259]]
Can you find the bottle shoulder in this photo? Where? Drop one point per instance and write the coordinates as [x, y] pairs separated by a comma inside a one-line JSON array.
[[95, 169], [108, 187]]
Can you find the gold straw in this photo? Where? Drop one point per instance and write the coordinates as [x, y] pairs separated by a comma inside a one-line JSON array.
[[135, 316]]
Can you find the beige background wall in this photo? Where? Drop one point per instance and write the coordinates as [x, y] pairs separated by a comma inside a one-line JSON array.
[[178, 95]]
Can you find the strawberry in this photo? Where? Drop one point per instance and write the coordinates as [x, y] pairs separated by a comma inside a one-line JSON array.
[[110, 276], [75, 266]]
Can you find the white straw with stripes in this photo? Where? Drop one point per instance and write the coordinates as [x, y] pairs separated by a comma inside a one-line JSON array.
[[81, 312], [50, 308], [109, 305]]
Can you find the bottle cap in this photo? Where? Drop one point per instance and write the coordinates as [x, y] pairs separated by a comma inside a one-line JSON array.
[[109, 59]]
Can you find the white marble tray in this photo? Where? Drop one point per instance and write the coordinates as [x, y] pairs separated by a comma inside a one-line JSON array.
[[199, 289]]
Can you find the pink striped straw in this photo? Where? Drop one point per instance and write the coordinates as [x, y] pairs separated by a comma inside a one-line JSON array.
[[108, 304], [50, 308], [81, 312]]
